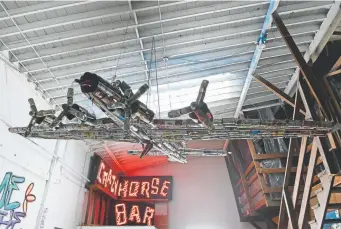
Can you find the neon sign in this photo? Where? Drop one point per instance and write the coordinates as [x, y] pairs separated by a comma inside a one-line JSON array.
[[146, 188], [130, 213], [135, 188]]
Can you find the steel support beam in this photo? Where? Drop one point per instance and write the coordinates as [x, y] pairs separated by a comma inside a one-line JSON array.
[[175, 42], [39, 8], [202, 55], [139, 39], [267, 25], [321, 38], [102, 29]]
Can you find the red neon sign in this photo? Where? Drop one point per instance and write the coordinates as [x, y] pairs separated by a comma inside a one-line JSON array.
[[133, 188], [129, 213]]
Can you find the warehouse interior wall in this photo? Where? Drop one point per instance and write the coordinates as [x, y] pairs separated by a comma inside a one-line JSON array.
[[202, 194], [41, 184]]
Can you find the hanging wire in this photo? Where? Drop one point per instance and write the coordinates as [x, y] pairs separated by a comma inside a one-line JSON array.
[[121, 51], [157, 80], [149, 69]]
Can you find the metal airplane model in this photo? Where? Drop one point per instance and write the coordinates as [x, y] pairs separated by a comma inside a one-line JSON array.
[[130, 120]]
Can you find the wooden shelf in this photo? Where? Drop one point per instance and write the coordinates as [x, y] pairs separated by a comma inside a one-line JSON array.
[[270, 156], [275, 170]]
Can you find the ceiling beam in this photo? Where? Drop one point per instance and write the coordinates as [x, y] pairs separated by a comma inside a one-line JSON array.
[[235, 72], [258, 51], [321, 38], [129, 72], [64, 20], [108, 28], [113, 157], [40, 8], [284, 97], [109, 65], [305, 69], [171, 54], [106, 13], [262, 107], [170, 44], [139, 39]]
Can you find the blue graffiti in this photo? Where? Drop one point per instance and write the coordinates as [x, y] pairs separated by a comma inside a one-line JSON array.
[[8, 185], [7, 208], [13, 218]]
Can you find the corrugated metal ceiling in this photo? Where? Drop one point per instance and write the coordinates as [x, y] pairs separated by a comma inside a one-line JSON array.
[[194, 40]]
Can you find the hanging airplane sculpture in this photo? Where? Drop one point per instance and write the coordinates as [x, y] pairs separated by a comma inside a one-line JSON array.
[[130, 120]]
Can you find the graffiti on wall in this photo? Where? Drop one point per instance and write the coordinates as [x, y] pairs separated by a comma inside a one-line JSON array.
[[11, 210]]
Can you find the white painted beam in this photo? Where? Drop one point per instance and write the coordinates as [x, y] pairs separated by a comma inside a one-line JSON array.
[[103, 29], [277, 49], [235, 70], [172, 53], [233, 82], [135, 67], [104, 13], [130, 66], [139, 39], [40, 8], [185, 41], [64, 20], [255, 59], [321, 38]]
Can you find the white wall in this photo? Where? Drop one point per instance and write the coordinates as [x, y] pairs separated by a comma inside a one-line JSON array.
[[58, 203], [202, 195]]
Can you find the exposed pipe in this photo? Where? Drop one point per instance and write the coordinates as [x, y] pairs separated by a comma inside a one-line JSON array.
[[256, 56], [47, 185]]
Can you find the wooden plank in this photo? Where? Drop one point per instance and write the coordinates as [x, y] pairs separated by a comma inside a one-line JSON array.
[[275, 170], [299, 173], [331, 141], [336, 65], [270, 156], [252, 179], [307, 186], [286, 98], [333, 73], [260, 203], [249, 169], [293, 144], [253, 153], [319, 161], [290, 209], [277, 189], [305, 69], [244, 183], [275, 219]]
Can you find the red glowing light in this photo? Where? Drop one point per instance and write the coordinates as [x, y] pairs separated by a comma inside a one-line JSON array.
[[114, 184], [155, 185], [136, 188], [164, 186], [135, 213], [121, 216], [148, 216], [101, 167], [145, 190], [123, 189]]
